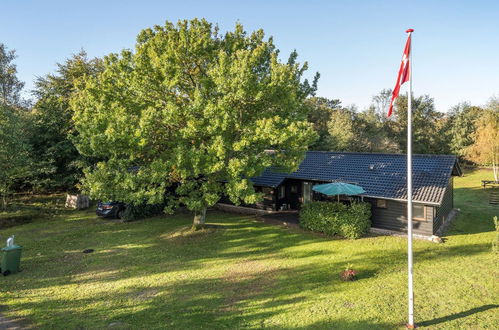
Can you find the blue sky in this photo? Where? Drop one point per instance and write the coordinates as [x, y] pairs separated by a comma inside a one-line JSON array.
[[355, 45]]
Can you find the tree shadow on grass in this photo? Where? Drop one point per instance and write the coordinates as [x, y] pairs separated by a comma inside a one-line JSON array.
[[345, 324], [457, 315], [249, 294], [254, 286]]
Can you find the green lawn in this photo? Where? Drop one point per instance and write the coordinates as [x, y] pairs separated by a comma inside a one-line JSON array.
[[245, 273]]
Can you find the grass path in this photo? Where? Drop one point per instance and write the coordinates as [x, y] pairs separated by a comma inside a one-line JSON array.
[[156, 273]]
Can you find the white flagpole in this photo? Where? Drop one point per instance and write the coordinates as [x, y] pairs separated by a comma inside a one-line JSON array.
[[410, 325]]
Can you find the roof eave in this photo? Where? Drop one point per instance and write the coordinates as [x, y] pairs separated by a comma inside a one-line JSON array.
[[402, 200]]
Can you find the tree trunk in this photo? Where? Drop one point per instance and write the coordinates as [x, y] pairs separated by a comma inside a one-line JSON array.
[[495, 170], [4, 202], [199, 219]]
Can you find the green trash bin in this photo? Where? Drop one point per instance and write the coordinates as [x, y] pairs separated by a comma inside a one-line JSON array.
[[10, 259]]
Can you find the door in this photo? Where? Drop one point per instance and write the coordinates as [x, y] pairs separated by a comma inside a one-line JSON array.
[[293, 193]]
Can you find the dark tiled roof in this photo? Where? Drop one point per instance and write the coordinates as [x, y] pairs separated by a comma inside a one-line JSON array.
[[381, 175]]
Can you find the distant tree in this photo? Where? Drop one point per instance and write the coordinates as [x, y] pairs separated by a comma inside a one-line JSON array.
[[15, 162], [10, 86], [57, 160], [194, 110], [373, 133], [426, 124], [319, 114], [462, 125], [342, 130], [381, 103], [485, 147]]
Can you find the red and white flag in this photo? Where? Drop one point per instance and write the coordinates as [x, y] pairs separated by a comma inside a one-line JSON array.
[[403, 75]]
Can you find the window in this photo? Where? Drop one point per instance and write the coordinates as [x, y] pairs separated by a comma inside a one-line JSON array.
[[294, 189], [418, 212], [282, 192], [381, 203]]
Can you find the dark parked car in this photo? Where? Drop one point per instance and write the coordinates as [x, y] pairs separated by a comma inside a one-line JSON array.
[[110, 209]]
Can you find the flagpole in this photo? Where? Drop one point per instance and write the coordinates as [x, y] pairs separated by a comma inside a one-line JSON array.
[[410, 324]]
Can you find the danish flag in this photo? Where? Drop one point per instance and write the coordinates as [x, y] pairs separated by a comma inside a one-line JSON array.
[[404, 73]]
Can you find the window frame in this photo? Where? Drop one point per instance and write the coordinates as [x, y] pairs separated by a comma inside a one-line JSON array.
[[281, 193], [381, 207], [424, 212], [307, 193]]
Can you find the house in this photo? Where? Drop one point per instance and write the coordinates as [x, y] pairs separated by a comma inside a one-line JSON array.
[[383, 177]]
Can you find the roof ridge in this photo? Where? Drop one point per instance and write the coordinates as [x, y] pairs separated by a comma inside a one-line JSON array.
[[377, 153]]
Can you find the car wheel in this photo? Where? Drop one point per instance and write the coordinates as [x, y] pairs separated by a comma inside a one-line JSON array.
[[119, 215]]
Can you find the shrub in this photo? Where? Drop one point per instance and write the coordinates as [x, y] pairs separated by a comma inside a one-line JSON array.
[[349, 274], [331, 218], [495, 243], [141, 211]]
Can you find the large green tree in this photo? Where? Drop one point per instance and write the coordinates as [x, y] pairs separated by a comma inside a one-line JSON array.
[[192, 109], [58, 163]]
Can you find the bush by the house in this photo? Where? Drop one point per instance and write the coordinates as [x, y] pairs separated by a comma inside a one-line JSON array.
[[495, 243], [351, 221], [141, 211]]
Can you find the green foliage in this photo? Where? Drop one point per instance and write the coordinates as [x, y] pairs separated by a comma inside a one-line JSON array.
[[462, 124], [426, 126], [495, 243], [10, 86], [485, 147], [345, 129], [319, 114], [341, 130], [15, 161], [141, 211], [373, 133], [331, 218], [58, 163], [195, 108]]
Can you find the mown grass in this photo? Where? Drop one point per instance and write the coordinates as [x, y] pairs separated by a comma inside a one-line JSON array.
[[26, 208], [243, 273]]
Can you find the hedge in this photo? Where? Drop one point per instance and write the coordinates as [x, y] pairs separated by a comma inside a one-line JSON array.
[[333, 218]]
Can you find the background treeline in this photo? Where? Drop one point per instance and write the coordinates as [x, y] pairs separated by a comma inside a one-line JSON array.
[[37, 152], [459, 131]]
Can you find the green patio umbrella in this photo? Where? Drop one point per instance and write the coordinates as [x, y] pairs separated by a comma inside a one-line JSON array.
[[338, 188]]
